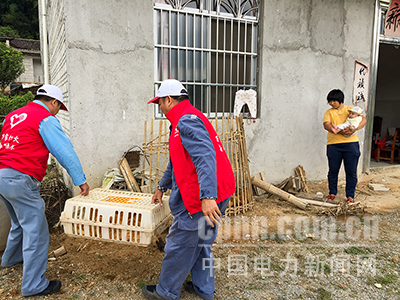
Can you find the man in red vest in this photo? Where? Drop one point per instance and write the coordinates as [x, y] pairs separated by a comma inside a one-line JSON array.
[[201, 180], [28, 135]]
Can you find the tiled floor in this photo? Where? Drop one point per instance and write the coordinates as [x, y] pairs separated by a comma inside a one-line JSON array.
[[373, 164]]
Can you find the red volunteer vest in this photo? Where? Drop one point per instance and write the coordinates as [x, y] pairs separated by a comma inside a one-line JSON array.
[[22, 147], [184, 169]]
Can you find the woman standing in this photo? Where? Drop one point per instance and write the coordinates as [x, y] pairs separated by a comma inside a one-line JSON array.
[[341, 147]]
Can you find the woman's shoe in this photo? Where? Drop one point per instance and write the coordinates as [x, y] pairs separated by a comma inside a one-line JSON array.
[[330, 197]]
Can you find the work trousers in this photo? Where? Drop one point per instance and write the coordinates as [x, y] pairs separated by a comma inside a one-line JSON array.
[[28, 240], [349, 153], [189, 252]]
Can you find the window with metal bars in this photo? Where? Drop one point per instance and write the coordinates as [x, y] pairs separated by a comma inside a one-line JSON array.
[[210, 46]]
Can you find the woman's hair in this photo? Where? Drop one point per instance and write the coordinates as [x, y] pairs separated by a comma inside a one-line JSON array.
[[335, 95]]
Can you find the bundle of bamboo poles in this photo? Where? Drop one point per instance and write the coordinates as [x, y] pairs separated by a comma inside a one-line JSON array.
[[231, 133], [155, 153]]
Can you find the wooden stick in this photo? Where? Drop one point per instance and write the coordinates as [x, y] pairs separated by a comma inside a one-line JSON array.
[[364, 192], [278, 192], [301, 173], [128, 175]]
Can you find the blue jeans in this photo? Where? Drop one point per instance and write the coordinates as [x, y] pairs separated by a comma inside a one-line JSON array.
[[189, 251], [349, 153], [28, 240]]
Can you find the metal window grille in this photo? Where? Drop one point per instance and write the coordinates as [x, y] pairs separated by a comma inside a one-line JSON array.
[[384, 9], [210, 46]]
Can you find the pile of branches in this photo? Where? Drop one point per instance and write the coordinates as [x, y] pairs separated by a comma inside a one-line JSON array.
[[343, 209], [54, 193]]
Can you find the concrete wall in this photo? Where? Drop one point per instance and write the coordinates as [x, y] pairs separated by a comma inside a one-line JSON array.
[[306, 48], [110, 78]]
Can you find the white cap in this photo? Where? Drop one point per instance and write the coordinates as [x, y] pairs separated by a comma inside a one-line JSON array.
[[169, 87], [357, 109], [53, 92]]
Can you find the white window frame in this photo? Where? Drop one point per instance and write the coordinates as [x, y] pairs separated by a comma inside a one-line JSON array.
[[187, 50]]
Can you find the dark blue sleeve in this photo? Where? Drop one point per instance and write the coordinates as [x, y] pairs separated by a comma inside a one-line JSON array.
[[166, 180], [196, 140]]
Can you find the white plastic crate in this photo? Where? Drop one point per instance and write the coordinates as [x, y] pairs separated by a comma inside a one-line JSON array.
[[115, 216]]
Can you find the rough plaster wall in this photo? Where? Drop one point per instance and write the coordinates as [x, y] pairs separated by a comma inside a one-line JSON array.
[[307, 48], [110, 76]]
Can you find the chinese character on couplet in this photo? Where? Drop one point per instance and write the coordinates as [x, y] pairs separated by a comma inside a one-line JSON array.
[[211, 264], [360, 96], [263, 265], [366, 265], [289, 260], [314, 265], [237, 265], [392, 17], [360, 83], [340, 264]]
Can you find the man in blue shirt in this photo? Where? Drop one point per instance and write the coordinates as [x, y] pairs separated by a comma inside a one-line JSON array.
[[28, 135], [200, 194]]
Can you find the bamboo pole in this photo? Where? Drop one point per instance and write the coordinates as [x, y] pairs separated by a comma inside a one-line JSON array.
[[151, 152], [160, 129], [235, 162], [278, 192], [165, 145], [317, 203], [245, 170], [242, 151], [144, 154]]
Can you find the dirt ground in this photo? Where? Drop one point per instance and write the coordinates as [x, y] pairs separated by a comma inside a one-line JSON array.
[[94, 269]]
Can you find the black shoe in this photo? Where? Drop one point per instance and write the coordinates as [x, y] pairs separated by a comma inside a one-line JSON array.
[[188, 286], [13, 265], [53, 287], [149, 291]]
